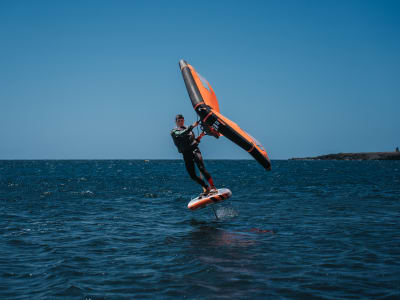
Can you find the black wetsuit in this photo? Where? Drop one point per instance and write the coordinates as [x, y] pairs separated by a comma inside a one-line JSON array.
[[187, 145]]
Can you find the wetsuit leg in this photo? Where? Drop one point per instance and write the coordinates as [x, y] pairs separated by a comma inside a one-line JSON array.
[[198, 158], [189, 163]]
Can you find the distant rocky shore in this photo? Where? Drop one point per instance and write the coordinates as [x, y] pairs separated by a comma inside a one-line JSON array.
[[355, 156]]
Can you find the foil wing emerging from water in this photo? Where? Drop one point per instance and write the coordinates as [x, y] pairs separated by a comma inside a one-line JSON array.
[[206, 105]]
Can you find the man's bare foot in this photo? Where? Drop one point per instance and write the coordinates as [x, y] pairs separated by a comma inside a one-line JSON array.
[[213, 190], [205, 192]]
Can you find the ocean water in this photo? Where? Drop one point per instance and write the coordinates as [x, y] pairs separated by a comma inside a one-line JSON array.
[[122, 230]]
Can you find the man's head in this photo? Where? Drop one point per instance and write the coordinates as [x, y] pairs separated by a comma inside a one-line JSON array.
[[180, 120]]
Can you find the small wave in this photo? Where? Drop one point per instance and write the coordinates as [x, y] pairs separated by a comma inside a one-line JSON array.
[[88, 193], [151, 195], [44, 194], [71, 291]]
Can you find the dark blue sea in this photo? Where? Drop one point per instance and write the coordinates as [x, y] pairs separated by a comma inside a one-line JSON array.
[[120, 229]]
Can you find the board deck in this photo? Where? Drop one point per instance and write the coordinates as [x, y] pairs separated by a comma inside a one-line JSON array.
[[201, 202]]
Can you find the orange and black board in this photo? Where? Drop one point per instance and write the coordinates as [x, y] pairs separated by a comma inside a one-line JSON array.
[[201, 202]]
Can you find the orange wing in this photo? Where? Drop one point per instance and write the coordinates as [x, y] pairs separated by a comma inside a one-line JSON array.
[[206, 105]]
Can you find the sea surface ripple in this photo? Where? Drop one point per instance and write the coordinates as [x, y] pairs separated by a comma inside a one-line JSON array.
[[120, 229]]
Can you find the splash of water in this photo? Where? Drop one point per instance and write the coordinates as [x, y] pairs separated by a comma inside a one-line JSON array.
[[226, 212]]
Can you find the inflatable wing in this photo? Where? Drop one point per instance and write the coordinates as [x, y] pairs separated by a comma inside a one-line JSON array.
[[206, 105]]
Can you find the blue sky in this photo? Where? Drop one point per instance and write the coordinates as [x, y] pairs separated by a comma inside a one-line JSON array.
[[100, 79]]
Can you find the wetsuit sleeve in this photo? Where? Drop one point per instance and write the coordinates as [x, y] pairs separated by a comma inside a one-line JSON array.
[[174, 138]]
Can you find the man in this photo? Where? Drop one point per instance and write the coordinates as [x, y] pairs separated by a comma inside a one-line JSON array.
[[187, 144]]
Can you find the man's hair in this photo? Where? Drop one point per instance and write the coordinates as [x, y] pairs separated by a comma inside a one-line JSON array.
[[178, 117]]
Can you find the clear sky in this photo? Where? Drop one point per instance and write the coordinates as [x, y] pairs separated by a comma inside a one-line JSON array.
[[100, 79]]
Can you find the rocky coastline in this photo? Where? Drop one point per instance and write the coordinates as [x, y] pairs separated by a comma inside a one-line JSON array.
[[355, 156]]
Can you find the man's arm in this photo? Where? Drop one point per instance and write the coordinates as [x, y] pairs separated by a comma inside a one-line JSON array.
[[182, 132], [177, 133]]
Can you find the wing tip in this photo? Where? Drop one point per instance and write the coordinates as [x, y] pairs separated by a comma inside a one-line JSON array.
[[182, 64]]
